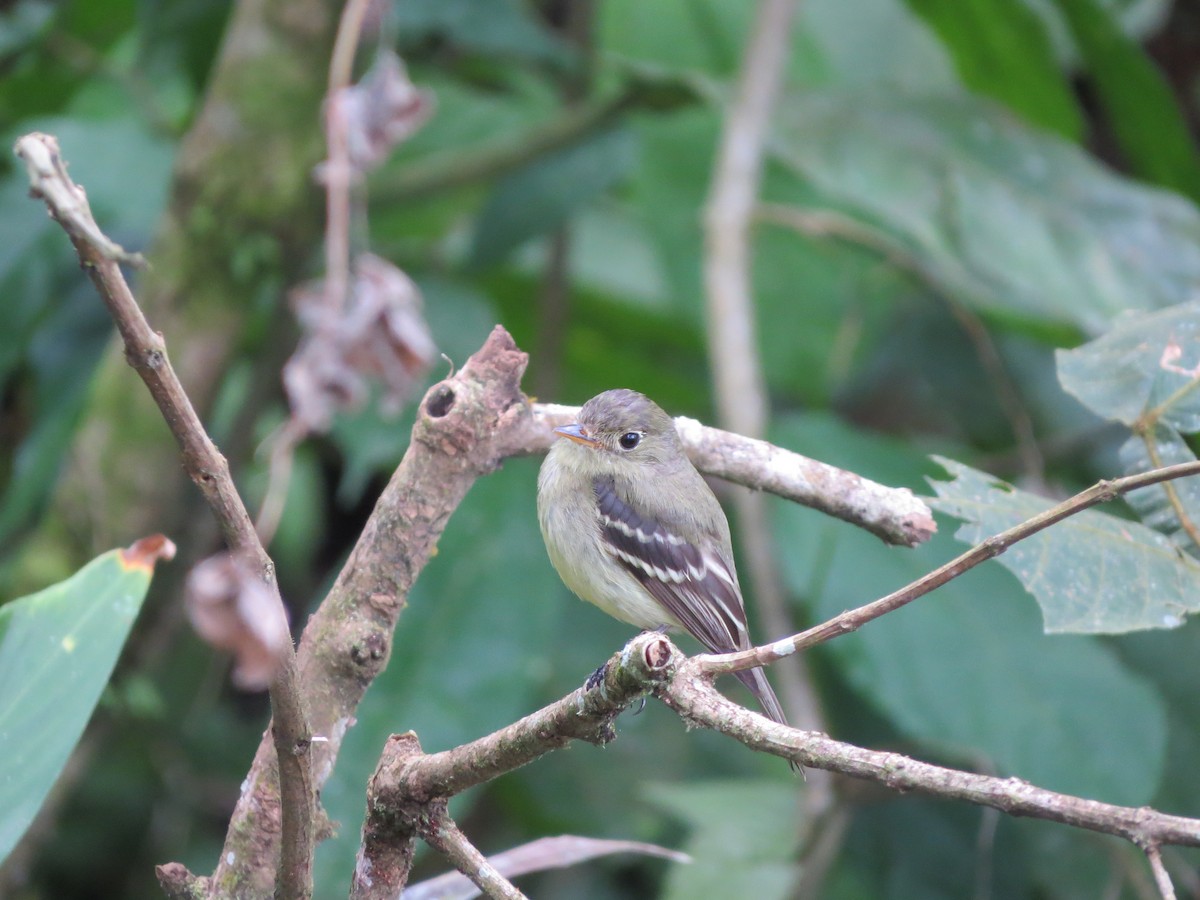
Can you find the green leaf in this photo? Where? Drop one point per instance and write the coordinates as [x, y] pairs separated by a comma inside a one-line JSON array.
[[742, 840], [54, 339], [1016, 222], [1172, 661], [967, 669], [22, 25], [1143, 363], [877, 42], [1092, 573], [1142, 110], [57, 650], [700, 35], [503, 28], [539, 197], [1162, 506], [372, 441], [918, 846], [1002, 50], [1145, 373]]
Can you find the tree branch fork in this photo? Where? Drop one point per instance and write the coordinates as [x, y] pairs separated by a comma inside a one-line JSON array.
[[467, 426]]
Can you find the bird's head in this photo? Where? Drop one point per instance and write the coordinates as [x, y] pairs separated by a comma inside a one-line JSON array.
[[621, 427]]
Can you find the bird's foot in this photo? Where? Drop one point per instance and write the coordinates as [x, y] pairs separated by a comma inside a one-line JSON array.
[[596, 678]]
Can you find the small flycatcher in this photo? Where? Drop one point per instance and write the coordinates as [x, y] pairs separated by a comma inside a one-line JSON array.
[[632, 527]]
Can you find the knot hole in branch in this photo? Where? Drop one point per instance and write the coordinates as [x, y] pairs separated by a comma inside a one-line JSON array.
[[658, 655], [440, 401]]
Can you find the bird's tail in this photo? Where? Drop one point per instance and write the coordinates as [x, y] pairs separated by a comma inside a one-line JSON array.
[[756, 680]]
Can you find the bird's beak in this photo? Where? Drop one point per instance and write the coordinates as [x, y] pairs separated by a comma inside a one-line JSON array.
[[578, 434]]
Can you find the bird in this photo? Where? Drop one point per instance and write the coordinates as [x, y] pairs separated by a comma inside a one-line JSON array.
[[632, 527]]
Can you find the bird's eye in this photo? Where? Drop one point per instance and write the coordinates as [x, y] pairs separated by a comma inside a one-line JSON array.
[[629, 440]]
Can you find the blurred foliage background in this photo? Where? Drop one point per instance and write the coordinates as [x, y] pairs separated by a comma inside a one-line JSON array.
[[954, 190]]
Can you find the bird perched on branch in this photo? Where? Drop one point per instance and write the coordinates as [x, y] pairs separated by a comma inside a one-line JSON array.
[[632, 527]]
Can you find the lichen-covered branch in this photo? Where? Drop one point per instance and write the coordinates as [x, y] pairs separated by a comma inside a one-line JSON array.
[[409, 789], [466, 427], [690, 692]]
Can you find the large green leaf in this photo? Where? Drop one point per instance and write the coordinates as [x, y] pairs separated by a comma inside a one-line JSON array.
[[820, 303], [699, 35], [57, 650], [742, 841], [1170, 507], [500, 28], [1142, 364], [1092, 573], [1001, 49], [1142, 111], [1145, 373], [50, 343], [966, 669], [1014, 221], [876, 42], [540, 196]]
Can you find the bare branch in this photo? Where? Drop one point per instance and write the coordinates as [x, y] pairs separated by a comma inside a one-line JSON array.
[[690, 692], [409, 788], [146, 351], [733, 348]]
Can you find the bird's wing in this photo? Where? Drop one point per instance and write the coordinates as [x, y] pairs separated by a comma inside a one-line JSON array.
[[695, 584]]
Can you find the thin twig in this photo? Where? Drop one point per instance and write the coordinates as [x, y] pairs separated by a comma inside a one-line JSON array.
[[1183, 515], [853, 619], [444, 836], [1005, 391], [409, 786], [146, 351], [538, 855], [733, 348], [338, 172], [585, 715], [1161, 877]]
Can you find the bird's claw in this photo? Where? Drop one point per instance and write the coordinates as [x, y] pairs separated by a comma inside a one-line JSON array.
[[596, 678]]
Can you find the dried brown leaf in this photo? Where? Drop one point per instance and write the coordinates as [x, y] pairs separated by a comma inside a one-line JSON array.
[[233, 609], [380, 335], [381, 111], [145, 552], [536, 856]]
